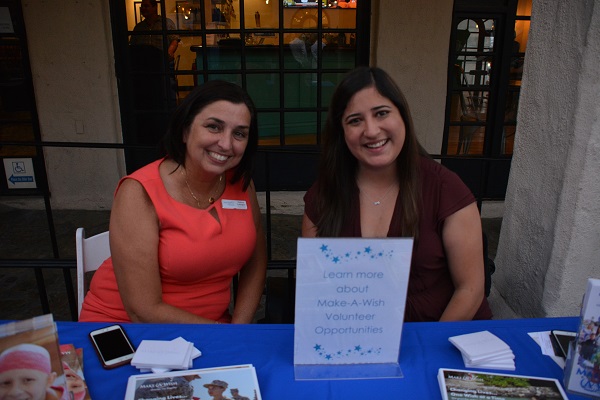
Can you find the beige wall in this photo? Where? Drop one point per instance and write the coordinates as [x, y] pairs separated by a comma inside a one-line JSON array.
[[72, 64], [410, 41], [549, 243]]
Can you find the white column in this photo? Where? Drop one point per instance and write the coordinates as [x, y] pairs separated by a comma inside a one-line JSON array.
[[550, 238]]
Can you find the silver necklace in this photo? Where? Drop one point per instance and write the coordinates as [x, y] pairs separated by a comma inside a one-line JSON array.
[[378, 202], [211, 199]]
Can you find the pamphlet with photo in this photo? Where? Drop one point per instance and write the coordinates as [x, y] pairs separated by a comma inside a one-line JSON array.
[[476, 385], [232, 382], [29, 352]]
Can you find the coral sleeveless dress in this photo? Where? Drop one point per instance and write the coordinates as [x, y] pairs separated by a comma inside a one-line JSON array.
[[198, 255]]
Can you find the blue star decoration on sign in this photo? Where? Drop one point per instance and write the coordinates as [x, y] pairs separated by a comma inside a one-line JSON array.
[[339, 354], [366, 252]]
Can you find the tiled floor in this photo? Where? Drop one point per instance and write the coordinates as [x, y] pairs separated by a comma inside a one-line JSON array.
[[24, 235]]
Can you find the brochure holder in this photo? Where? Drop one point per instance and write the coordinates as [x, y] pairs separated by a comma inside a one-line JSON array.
[[350, 300], [582, 369]]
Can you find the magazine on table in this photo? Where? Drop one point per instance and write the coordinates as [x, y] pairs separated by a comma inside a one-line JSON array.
[[465, 384], [29, 352], [237, 382]]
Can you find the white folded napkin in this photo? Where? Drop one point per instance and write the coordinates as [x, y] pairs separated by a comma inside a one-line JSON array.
[[164, 355], [484, 350]]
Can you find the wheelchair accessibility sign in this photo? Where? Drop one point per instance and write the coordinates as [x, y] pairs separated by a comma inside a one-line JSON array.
[[19, 173]]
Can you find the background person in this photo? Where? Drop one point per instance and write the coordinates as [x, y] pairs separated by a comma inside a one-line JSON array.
[[375, 180], [153, 22], [147, 59], [183, 226]]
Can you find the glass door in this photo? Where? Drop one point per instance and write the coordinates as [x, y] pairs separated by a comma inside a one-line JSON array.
[[289, 56], [470, 87], [484, 75]]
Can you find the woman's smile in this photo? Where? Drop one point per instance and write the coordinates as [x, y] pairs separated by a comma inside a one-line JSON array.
[[377, 145], [218, 157]]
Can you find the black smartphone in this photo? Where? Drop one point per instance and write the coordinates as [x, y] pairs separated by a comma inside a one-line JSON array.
[[112, 346], [561, 341]]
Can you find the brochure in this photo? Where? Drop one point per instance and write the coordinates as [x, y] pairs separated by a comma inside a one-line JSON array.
[[237, 382], [73, 366], [582, 369], [464, 384], [29, 351]]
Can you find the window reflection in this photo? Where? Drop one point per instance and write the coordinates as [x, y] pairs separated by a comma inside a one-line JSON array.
[[187, 14], [471, 74], [213, 44], [325, 3], [474, 39]]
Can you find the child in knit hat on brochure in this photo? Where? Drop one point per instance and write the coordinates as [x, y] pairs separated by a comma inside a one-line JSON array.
[[26, 373]]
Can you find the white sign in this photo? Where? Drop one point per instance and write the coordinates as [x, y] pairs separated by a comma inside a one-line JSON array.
[[350, 300], [19, 173], [6, 25]]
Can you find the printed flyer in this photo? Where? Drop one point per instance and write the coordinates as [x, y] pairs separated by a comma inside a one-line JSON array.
[[237, 382], [465, 384], [350, 299]]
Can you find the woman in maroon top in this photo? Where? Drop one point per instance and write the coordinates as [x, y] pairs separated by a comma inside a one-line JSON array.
[[375, 180]]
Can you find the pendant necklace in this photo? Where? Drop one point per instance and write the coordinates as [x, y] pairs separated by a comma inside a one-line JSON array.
[[211, 199], [378, 202]]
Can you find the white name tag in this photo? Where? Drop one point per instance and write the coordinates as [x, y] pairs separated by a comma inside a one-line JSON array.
[[234, 204]]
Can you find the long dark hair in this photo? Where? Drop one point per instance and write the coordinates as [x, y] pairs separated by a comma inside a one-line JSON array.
[[338, 167], [193, 104]]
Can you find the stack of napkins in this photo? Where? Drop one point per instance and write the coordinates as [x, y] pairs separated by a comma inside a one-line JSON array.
[[484, 350], [162, 355]]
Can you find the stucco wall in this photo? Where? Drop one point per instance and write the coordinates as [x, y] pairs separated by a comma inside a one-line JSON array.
[[550, 233], [72, 64], [411, 42]]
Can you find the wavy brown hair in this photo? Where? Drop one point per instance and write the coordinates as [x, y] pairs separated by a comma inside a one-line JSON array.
[[183, 117], [337, 171]]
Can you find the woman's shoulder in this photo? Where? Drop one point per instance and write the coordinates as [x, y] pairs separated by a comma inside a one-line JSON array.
[[436, 177], [143, 176], [434, 171], [311, 193], [148, 171]]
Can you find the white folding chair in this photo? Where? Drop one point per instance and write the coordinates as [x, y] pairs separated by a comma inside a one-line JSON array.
[[91, 253]]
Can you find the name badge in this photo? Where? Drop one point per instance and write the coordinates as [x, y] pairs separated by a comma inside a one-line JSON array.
[[234, 204]]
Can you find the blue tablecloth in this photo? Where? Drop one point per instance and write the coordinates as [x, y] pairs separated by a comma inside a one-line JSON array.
[[425, 348]]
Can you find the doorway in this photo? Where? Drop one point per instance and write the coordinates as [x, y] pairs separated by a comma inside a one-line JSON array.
[[288, 55], [485, 65]]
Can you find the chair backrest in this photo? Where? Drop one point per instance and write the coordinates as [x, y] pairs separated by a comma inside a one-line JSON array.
[[91, 253]]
